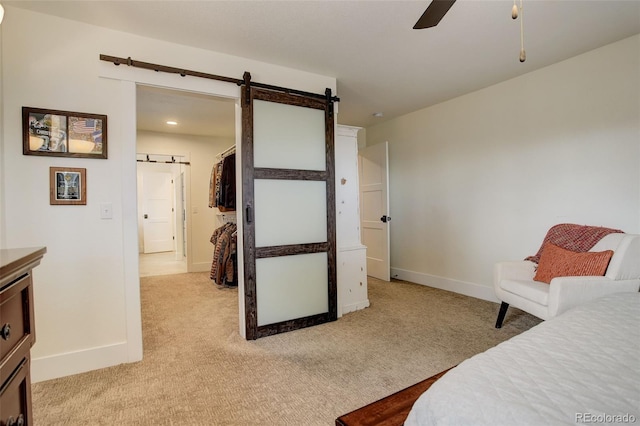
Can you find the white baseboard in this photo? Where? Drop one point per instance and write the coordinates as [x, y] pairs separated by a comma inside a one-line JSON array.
[[352, 307], [67, 364], [462, 287]]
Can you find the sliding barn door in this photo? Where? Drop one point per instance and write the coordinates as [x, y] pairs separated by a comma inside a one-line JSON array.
[[289, 211]]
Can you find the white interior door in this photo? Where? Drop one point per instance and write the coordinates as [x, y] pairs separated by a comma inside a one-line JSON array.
[[157, 205], [289, 212], [373, 163]]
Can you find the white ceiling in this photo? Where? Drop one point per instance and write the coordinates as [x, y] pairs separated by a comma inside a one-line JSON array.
[[380, 62], [195, 114]]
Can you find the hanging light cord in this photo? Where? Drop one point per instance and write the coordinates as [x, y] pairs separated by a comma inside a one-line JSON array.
[[523, 55], [515, 12]]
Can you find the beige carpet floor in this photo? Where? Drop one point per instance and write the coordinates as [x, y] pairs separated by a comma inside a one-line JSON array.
[[197, 370]]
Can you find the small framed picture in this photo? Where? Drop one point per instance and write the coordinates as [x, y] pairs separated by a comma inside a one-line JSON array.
[[63, 133], [67, 186]]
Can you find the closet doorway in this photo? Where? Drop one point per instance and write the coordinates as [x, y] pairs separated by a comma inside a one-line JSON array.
[[187, 150]]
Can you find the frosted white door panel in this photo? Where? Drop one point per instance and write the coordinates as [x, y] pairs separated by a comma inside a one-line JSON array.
[[288, 137], [291, 287], [290, 212]]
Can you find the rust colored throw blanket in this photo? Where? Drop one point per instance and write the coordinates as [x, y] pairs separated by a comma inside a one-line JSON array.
[[572, 237]]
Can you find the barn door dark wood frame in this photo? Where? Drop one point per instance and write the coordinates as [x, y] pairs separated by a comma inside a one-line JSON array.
[[249, 173]]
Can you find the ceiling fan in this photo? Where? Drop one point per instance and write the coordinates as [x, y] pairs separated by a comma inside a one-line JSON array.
[[438, 8], [434, 13]]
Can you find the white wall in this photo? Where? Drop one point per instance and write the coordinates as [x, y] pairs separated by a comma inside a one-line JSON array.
[[482, 177], [201, 152], [86, 288], [3, 223]]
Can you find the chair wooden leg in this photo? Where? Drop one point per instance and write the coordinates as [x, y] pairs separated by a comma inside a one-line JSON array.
[[501, 314]]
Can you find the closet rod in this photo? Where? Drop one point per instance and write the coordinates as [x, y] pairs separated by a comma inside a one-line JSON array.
[[173, 159], [163, 162], [228, 151], [183, 72]]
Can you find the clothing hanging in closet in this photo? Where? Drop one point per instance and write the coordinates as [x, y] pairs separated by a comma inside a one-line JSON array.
[[222, 186], [224, 267]]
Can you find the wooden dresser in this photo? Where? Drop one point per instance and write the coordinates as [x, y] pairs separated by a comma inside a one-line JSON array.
[[17, 333]]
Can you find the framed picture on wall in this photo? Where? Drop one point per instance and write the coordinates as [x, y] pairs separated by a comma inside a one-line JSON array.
[[63, 133], [67, 186]]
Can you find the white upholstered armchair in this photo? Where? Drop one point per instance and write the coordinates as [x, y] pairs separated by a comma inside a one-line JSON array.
[[515, 285]]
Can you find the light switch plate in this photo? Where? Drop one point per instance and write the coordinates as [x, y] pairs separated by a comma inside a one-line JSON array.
[[106, 211]]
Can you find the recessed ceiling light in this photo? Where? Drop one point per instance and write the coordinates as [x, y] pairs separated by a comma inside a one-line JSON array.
[[172, 123], [377, 114]]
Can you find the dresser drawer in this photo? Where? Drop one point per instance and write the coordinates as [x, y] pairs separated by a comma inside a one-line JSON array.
[[15, 317], [15, 397], [17, 333]]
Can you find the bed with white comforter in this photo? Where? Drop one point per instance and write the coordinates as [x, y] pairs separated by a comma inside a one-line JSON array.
[[580, 367]]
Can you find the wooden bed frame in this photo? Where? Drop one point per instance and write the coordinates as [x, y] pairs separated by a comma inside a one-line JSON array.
[[390, 411]]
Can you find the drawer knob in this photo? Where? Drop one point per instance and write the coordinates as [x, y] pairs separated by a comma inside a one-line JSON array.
[[5, 331]]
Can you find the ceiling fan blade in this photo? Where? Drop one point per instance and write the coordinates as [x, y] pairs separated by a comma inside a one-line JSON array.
[[434, 13]]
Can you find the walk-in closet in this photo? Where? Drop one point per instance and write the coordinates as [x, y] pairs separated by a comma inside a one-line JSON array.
[[222, 198]]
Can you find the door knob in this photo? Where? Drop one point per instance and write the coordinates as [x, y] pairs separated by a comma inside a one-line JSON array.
[[385, 219], [146, 216]]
